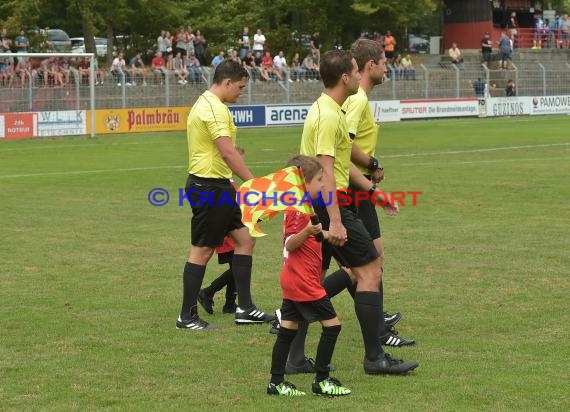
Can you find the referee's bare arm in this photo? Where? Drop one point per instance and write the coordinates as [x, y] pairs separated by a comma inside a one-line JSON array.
[[233, 158], [358, 157], [337, 231]]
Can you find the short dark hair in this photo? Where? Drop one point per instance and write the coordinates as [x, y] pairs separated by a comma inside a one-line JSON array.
[[229, 69], [364, 50], [310, 166], [334, 64]]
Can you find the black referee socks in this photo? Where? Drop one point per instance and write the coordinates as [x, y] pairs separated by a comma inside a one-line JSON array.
[[192, 282], [368, 311], [241, 267]]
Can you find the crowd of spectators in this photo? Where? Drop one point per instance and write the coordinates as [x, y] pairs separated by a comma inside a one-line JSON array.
[[182, 56]]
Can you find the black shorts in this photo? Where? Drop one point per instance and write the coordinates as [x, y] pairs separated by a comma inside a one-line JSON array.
[[215, 212], [367, 212], [358, 250], [316, 310]]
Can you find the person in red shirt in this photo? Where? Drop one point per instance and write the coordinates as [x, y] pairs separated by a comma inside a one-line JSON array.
[[304, 298], [159, 67], [267, 64]]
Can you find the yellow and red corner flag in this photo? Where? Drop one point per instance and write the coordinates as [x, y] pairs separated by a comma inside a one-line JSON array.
[[262, 198]]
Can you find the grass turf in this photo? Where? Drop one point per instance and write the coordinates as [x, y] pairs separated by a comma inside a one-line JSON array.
[[90, 275]]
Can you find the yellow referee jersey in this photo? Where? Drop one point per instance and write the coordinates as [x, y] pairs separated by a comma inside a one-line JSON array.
[[361, 124], [325, 132], [208, 120]]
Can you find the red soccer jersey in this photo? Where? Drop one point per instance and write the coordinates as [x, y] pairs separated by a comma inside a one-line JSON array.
[[301, 275], [228, 246]]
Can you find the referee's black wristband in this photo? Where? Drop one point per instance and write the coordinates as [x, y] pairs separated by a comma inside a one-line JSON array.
[[373, 164], [372, 190]]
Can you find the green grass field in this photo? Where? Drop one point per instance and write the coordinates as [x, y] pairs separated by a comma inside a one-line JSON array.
[[91, 275]]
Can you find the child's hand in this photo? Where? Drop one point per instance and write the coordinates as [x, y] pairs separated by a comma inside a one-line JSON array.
[[313, 229]]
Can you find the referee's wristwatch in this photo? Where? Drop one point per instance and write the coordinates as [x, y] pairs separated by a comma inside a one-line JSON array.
[[373, 164]]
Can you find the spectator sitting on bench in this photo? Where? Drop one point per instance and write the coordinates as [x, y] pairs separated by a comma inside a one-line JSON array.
[[159, 67], [409, 69], [455, 55]]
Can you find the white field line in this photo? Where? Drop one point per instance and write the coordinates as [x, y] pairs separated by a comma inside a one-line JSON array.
[[489, 149], [534, 159], [83, 172], [260, 164], [77, 146]]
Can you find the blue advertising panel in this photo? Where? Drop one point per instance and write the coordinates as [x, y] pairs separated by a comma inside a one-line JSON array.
[[246, 116]]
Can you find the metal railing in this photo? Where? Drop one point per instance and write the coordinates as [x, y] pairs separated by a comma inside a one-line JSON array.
[[427, 82]]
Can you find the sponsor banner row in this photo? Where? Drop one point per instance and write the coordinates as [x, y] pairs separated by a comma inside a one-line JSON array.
[[383, 111], [78, 122]]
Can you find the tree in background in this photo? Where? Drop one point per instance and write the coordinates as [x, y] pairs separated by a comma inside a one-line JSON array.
[[339, 21]]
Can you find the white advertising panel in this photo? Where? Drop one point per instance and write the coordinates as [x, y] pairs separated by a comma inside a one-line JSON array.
[[283, 115], [508, 106], [62, 123], [385, 111], [424, 109], [550, 104]]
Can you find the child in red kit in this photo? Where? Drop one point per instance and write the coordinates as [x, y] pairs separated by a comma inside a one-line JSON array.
[[304, 298]]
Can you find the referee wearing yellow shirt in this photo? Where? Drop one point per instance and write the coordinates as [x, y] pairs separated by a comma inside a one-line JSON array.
[[213, 158], [325, 134], [361, 126]]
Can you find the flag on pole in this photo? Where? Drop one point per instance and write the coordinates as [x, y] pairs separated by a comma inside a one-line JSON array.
[[262, 198]]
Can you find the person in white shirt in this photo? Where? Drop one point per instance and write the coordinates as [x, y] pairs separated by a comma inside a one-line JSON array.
[[280, 64], [118, 70], [258, 41]]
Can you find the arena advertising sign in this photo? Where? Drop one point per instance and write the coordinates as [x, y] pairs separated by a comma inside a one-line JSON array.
[[18, 125], [508, 106], [286, 115], [425, 109], [247, 116], [62, 123], [139, 120], [550, 105], [385, 111]]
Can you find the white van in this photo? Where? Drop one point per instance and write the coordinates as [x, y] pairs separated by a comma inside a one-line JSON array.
[[78, 45]]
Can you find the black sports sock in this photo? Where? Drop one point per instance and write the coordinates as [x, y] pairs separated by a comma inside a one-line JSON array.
[[382, 328], [366, 306], [241, 268], [297, 351], [219, 283], [231, 288], [192, 282], [325, 351], [336, 282], [279, 355]]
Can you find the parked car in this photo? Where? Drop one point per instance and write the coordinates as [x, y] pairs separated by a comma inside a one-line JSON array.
[[78, 45], [50, 40], [418, 43]]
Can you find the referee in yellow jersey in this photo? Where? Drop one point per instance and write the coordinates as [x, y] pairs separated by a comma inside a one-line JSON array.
[[213, 158], [326, 135], [371, 61]]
